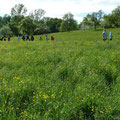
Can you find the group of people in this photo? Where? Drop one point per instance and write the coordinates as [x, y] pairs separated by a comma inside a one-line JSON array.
[[26, 38], [47, 38], [105, 35], [4, 38]]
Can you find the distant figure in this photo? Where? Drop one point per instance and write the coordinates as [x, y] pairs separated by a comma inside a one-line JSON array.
[[4, 38], [52, 38], [27, 38], [18, 38], [46, 37], [111, 36], [40, 38], [32, 38], [8, 38], [1, 38], [23, 37], [104, 35]]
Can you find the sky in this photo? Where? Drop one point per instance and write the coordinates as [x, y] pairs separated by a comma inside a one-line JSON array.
[[57, 8]]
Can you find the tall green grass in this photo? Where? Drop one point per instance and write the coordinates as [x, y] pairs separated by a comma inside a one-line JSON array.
[[76, 77]]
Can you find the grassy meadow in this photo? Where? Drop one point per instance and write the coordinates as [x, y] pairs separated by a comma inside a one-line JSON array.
[[76, 77]]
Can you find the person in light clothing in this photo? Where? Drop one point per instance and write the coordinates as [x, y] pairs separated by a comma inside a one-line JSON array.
[[111, 36], [18, 38], [46, 38], [104, 35]]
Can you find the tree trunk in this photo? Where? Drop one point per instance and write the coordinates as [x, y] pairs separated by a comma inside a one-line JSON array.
[[95, 27]]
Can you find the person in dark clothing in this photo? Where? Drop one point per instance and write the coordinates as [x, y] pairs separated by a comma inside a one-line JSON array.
[[4, 38], [1, 38], [27, 38], [23, 37], [32, 38], [52, 38]]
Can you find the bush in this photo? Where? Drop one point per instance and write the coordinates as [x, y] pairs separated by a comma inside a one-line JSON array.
[[42, 29], [5, 31]]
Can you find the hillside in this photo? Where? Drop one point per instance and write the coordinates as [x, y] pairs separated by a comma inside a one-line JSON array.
[[76, 77]]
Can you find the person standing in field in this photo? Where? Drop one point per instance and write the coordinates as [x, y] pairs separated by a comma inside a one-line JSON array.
[[52, 38], [104, 35], [4, 38], [27, 38], [1, 38], [32, 38], [23, 37], [8, 38], [40, 38], [111, 36], [46, 38], [18, 38]]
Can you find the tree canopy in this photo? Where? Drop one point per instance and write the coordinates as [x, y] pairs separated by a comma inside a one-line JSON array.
[[94, 19], [18, 10], [37, 14], [68, 23], [20, 22]]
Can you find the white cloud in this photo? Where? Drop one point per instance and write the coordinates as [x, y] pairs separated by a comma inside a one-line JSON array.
[[57, 8]]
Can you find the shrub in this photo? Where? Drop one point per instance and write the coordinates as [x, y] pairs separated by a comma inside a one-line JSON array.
[[5, 31]]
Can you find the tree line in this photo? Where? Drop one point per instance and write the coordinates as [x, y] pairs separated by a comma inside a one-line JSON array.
[[19, 22], [100, 19]]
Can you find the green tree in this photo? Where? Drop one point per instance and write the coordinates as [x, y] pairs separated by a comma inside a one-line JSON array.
[[108, 21], [5, 20], [41, 29], [18, 10], [68, 23], [95, 18], [116, 16], [14, 28], [18, 13], [37, 14], [1, 22], [52, 23], [112, 19], [86, 24], [27, 26], [5, 31]]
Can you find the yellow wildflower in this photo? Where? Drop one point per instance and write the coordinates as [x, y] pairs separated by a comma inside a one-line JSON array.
[[45, 96], [53, 96], [101, 112], [33, 97], [25, 112], [13, 91], [110, 107], [98, 94]]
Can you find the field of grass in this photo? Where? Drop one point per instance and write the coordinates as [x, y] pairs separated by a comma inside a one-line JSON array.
[[76, 77]]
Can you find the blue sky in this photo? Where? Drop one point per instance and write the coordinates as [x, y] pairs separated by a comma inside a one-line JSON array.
[[57, 8]]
